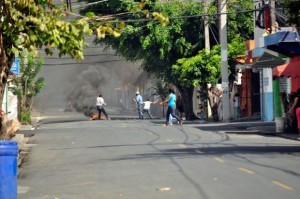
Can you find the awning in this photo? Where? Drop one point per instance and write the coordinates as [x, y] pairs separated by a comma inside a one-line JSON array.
[[287, 70], [284, 42], [268, 60]]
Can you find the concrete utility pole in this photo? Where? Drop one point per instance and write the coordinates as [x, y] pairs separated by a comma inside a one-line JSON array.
[[273, 16], [224, 61], [206, 26]]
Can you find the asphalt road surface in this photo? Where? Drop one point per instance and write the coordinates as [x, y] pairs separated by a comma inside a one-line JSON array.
[[141, 159]]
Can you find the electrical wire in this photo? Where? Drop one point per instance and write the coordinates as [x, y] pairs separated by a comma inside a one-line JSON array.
[[212, 31], [93, 55], [171, 18], [82, 63], [142, 20], [89, 4], [184, 16]]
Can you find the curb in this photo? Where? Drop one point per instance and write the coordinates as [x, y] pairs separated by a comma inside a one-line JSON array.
[[23, 149]]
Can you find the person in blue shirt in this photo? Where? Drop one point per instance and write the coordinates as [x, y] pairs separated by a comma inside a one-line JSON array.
[[171, 101], [139, 102]]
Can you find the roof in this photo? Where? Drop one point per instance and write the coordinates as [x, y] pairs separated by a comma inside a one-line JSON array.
[[284, 42], [268, 60], [287, 70]]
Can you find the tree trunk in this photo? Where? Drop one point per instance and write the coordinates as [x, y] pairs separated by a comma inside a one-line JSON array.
[[4, 69], [214, 99], [187, 98]]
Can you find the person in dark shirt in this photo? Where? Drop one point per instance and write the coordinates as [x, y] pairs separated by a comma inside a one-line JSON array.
[[179, 106]]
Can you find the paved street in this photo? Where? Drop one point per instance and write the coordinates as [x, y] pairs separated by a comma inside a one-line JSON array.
[[135, 159]]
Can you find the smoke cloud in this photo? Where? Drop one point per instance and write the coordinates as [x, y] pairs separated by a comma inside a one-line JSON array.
[[81, 82], [96, 79]]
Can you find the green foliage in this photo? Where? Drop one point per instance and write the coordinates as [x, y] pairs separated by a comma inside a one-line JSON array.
[[240, 20], [30, 67], [235, 48], [35, 26], [159, 46], [292, 11], [201, 69], [206, 66], [28, 84], [175, 52], [90, 14], [161, 89], [26, 117]]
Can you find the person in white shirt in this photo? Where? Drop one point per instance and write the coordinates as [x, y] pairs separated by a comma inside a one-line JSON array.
[[147, 105], [100, 103]]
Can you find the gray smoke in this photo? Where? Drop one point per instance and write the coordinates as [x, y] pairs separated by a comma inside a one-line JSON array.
[[81, 82], [96, 79], [86, 87]]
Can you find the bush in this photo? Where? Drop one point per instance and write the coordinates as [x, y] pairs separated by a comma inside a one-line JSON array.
[[26, 117]]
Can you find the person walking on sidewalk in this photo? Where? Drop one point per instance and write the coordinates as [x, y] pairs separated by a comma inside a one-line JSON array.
[[147, 105], [139, 102], [296, 109], [100, 103], [171, 101]]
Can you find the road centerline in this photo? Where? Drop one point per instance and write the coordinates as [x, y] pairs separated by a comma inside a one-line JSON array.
[[282, 185], [246, 170]]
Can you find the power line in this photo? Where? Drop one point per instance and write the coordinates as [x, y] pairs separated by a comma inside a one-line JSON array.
[[153, 3], [91, 55], [83, 63], [141, 20], [89, 4], [212, 31], [187, 16]]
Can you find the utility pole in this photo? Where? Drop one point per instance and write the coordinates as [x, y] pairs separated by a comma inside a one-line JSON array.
[[224, 61], [273, 16], [206, 26], [207, 48]]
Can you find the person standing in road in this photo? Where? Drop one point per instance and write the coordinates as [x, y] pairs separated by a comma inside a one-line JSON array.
[[147, 105], [296, 109], [139, 101], [236, 106], [171, 101], [100, 103], [179, 106]]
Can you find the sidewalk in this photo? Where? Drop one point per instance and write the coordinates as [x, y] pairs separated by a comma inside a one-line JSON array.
[[245, 126], [22, 137], [271, 130]]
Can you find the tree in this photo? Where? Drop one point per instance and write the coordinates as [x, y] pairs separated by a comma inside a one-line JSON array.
[[32, 24], [162, 90], [160, 46], [205, 68], [28, 85], [292, 11]]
